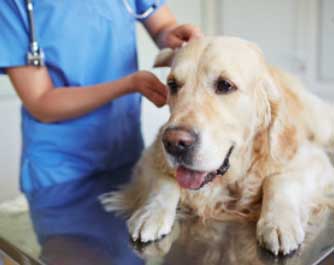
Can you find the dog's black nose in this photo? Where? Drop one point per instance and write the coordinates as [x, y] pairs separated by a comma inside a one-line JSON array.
[[179, 141]]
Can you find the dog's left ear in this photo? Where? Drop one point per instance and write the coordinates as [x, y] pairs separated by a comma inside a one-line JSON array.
[[282, 131], [164, 58], [268, 99], [271, 89]]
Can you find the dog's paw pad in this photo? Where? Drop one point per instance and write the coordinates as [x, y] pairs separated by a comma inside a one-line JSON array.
[[280, 235]]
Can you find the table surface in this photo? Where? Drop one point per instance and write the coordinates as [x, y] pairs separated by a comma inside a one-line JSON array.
[[81, 232], [192, 242], [230, 243]]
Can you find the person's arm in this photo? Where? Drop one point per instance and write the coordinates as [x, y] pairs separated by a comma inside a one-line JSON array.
[[165, 31], [47, 104]]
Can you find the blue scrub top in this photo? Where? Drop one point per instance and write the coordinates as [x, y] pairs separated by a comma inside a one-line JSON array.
[[85, 42]]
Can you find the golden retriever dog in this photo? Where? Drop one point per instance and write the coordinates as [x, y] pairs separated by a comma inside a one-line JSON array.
[[243, 139]]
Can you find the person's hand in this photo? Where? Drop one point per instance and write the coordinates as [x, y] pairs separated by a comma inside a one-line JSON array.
[[175, 37], [150, 86]]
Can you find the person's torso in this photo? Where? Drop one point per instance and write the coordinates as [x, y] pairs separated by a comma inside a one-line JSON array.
[[85, 42]]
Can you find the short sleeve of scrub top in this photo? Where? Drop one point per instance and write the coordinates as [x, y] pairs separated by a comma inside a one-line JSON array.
[[143, 5], [14, 40]]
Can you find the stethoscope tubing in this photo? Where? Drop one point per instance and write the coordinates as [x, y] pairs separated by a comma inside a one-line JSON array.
[[37, 53]]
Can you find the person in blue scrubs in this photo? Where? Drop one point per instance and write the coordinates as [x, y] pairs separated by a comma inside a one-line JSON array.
[[81, 131]]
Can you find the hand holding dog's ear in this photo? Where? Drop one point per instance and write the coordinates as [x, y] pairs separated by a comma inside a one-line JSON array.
[[175, 37]]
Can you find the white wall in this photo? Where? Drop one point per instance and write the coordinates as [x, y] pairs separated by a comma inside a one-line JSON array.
[[297, 36], [10, 141]]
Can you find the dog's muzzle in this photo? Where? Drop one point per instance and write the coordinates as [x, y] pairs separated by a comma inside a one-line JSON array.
[[221, 171], [192, 179]]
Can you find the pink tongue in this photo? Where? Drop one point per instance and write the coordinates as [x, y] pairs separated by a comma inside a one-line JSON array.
[[189, 179]]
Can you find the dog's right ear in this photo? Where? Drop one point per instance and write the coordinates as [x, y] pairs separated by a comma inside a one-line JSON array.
[[164, 58]]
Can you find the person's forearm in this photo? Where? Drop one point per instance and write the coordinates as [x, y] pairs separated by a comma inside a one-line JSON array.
[[49, 104], [71, 102], [159, 24]]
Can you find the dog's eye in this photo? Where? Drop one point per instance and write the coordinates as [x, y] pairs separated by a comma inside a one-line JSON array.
[[173, 86], [224, 86]]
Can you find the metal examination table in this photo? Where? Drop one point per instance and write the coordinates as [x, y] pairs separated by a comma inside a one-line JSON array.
[[191, 242]]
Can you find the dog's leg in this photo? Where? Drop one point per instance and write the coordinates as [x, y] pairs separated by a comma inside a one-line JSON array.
[[149, 199], [156, 216], [288, 198]]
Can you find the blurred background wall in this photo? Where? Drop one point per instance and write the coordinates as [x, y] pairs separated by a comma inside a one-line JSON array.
[[296, 35]]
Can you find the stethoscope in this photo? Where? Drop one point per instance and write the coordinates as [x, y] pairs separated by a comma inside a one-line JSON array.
[[35, 55]]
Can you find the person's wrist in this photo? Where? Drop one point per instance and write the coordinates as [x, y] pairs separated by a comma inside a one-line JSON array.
[[130, 83]]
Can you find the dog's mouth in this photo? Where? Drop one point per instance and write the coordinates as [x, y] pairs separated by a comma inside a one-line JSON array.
[[191, 179]]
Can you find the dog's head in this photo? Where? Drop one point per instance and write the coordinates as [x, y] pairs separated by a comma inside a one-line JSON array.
[[220, 94]]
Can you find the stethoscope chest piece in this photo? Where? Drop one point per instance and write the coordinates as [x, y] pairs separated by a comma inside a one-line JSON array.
[[35, 55]]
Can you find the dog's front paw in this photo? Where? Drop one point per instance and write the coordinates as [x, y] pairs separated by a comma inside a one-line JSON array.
[[158, 248], [280, 233], [150, 223]]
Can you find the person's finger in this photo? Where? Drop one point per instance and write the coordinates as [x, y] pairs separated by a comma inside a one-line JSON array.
[[174, 41], [182, 34], [157, 99], [196, 34], [160, 99], [158, 86], [155, 95], [188, 32]]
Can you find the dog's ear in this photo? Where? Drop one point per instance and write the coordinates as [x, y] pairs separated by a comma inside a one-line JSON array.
[[164, 58], [268, 93], [272, 89], [281, 130], [268, 99]]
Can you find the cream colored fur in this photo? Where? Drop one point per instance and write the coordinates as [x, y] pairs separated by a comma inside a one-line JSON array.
[[279, 168]]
